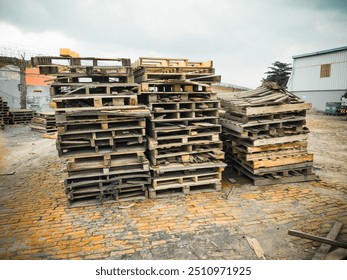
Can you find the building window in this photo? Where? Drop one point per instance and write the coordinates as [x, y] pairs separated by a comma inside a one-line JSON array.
[[325, 70]]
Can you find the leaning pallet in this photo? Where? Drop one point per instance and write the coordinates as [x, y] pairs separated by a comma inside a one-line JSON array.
[[4, 113], [101, 129], [43, 122], [183, 130], [265, 135], [21, 116]]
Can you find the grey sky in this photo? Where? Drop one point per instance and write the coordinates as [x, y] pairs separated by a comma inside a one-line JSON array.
[[242, 37]]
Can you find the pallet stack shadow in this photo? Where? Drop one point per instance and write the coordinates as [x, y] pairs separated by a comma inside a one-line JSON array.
[[44, 122], [183, 131], [21, 116], [265, 136], [101, 129], [4, 114]]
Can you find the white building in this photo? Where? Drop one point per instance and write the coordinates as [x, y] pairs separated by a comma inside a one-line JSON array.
[[320, 77]]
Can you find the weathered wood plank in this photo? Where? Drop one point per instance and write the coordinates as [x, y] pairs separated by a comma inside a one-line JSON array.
[[282, 161], [279, 140], [277, 108], [325, 248], [317, 238]]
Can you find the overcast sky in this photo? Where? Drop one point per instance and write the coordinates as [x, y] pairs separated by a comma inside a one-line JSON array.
[[242, 37]]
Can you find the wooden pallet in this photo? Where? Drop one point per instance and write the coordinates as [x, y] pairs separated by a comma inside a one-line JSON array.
[[83, 66], [176, 132], [265, 131], [21, 116], [300, 165], [94, 179], [172, 149], [65, 145], [182, 124], [178, 140], [88, 101], [170, 63], [205, 77], [100, 199], [289, 175], [90, 116], [183, 115], [166, 97], [186, 190], [263, 118], [173, 106], [108, 163], [120, 148], [174, 179], [43, 122], [60, 89], [174, 86], [102, 125]]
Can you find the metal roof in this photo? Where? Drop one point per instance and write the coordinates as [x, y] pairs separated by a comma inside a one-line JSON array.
[[321, 52]]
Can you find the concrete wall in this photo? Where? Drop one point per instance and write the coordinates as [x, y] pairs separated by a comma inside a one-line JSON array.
[[319, 98], [9, 90], [38, 98]]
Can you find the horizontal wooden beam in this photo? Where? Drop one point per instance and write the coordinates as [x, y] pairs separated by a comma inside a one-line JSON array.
[[277, 108], [317, 238]]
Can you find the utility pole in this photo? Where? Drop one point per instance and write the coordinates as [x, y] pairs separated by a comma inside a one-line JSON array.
[[23, 85]]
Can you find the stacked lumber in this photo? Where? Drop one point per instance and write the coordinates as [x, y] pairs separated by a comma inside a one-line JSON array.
[[265, 135], [4, 114], [184, 148], [101, 129], [21, 116], [43, 122]]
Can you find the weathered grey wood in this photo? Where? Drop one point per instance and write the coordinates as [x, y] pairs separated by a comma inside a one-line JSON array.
[[76, 89], [254, 244], [278, 140], [325, 248], [277, 108], [266, 98], [317, 238]]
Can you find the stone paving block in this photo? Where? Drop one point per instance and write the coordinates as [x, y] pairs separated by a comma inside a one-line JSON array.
[[41, 226]]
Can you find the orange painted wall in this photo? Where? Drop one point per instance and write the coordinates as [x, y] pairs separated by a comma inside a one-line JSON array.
[[33, 77]]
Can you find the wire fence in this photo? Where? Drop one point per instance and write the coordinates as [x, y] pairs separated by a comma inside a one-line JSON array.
[[24, 51]]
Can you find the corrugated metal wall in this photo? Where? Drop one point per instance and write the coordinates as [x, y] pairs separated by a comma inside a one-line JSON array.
[[306, 72], [320, 98]]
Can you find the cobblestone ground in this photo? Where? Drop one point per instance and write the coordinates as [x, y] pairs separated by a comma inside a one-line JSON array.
[[36, 224]]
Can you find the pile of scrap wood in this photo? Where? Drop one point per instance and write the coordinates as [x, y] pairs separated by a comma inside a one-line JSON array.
[[4, 113], [265, 135], [21, 116], [101, 128], [43, 122], [184, 147]]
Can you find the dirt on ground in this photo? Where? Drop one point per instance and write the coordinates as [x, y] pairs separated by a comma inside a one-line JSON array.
[[2, 155], [35, 222], [327, 141]]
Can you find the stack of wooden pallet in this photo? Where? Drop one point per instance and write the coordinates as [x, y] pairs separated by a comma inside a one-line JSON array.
[[21, 116], [183, 131], [101, 128], [4, 114], [265, 135], [44, 122]]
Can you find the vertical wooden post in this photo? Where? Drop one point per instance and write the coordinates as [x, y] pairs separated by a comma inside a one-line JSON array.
[[23, 85]]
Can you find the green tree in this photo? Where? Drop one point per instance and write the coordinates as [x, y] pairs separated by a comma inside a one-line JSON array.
[[278, 73]]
